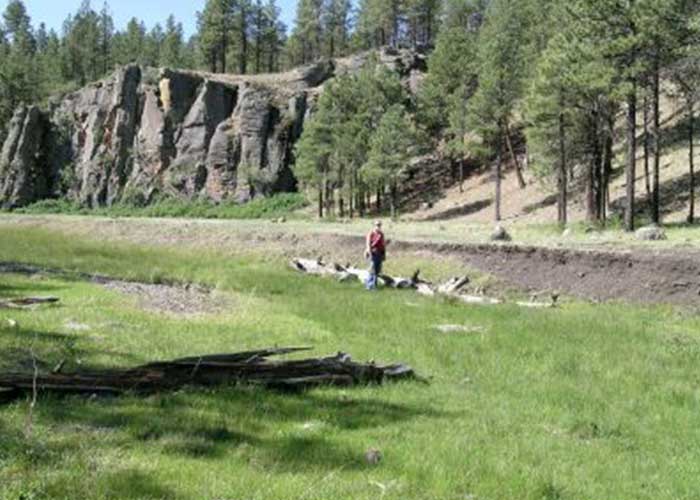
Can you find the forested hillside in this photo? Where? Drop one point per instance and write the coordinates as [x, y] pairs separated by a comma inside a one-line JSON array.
[[570, 90]]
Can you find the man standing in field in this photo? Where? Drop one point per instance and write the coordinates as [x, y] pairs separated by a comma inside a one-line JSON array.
[[376, 252]]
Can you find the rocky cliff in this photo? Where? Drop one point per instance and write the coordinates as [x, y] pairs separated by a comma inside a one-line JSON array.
[[144, 132]]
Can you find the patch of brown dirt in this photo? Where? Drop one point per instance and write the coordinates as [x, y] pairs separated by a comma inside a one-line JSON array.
[[671, 277], [182, 300], [179, 300]]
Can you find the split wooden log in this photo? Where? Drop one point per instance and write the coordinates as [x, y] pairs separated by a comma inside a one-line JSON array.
[[252, 367], [26, 302]]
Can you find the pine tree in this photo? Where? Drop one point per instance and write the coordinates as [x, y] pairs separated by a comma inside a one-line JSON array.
[[307, 35], [337, 26], [422, 18], [611, 28], [19, 75], [106, 26], [273, 37], [215, 25], [685, 75], [392, 145], [502, 68], [379, 23], [451, 68], [171, 53], [18, 27]]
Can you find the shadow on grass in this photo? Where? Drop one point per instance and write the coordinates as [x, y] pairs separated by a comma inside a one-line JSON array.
[[674, 196], [285, 431], [461, 211], [49, 348], [132, 483]]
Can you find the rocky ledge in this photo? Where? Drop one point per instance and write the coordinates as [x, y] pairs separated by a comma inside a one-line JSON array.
[[144, 132]]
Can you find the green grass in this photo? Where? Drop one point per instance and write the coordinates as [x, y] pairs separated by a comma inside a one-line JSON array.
[[583, 402], [276, 206]]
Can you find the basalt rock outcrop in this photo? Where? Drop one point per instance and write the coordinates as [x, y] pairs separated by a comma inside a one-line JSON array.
[[144, 133]]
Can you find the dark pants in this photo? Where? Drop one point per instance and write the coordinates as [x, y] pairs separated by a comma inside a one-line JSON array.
[[375, 270]]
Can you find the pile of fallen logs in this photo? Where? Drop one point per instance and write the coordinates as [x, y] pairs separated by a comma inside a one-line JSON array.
[[251, 367], [453, 288]]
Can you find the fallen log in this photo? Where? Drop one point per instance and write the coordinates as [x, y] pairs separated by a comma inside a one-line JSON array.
[[26, 302], [452, 288], [251, 367], [349, 273]]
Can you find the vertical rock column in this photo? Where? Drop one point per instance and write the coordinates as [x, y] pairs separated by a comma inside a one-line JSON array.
[[24, 176]]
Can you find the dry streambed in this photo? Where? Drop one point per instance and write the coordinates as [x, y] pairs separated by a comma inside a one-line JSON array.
[[173, 299]]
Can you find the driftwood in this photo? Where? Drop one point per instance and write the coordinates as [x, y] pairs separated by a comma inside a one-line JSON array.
[[453, 288], [251, 367], [26, 302]]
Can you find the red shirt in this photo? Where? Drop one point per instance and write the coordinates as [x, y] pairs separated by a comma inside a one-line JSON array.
[[376, 242]]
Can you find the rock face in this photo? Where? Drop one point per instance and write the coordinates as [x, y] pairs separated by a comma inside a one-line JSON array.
[[24, 173], [143, 133]]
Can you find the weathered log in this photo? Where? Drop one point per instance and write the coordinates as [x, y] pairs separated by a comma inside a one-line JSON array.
[[25, 302], [251, 367], [451, 288]]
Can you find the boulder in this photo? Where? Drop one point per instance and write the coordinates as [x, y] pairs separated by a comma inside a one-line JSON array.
[[500, 234], [651, 233]]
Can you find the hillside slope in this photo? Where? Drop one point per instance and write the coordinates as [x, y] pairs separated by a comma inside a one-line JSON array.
[[536, 203]]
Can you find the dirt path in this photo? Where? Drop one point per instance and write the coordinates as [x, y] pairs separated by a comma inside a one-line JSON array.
[[638, 275]]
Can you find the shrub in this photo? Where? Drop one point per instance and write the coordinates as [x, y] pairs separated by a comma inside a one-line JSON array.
[[261, 208]]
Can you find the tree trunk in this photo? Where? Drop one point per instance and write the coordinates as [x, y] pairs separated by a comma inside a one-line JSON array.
[[691, 160], [224, 50], [655, 210], [320, 201], [379, 200], [499, 161], [607, 168], [647, 181], [330, 200], [598, 163], [461, 175], [593, 173], [393, 200], [630, 170], [516, 163], [243, 63], [351, 197], [562, 178]]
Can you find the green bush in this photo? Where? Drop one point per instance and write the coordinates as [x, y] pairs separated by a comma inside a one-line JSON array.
[[262, 208]]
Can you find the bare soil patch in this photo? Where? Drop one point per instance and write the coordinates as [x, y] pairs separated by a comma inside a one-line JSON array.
[[182, 300], [186, 300]]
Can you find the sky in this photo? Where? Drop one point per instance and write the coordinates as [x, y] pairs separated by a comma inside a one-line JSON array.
[[54, 12]]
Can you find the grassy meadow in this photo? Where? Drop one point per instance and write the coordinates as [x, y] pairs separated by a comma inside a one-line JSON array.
[[583, 402]]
